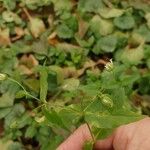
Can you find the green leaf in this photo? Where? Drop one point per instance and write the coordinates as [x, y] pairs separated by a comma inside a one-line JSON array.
[[109, 121], [59, 73], [70, 84], [6, 100], [4, 112], [140, 5], [88, 145], [64, 31], [124, 22], [105, 44], [144, 32], [119, 98], [54, 118], [32, 84], [9, 4], [129, 79], [43, 84], [122, 39], [60, 5], [15, 146], [71, 115], [101, 26], [91, 89], [30, 132], [5, 144], [102, 133], [18, 122], [136, 39], [90, 6], [144, 84], [9, 16], [147, 17], [52, 82], [111, 12], [54, 143], [84, 43], [36, 26], [132, 55], [72, 22], [34, 4], [16, 112]]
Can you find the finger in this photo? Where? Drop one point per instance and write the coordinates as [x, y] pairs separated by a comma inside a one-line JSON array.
[[106, 144], [77, 139]]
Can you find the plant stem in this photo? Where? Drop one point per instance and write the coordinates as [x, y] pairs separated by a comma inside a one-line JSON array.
[[27, 14], [93, 138], [27, 94], [56, 95], [39, 107], [92, 101]]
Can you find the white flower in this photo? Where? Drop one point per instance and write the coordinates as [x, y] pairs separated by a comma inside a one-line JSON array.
[[109, 66], [2, 76]]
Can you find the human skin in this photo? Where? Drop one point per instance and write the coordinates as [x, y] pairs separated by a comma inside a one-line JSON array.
[[134, 136]]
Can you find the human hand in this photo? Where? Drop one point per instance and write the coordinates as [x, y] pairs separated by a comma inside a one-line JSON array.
[[134, 136]]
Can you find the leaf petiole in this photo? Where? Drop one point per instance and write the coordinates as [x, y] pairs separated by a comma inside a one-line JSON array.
[[27, 93]]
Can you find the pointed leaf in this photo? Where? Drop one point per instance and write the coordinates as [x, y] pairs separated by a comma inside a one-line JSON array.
[[110, 12], [43, 84], [109, 121], [53, 118]]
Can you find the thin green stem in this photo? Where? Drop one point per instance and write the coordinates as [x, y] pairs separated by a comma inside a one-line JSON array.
[[27, 94], [83, 114], [71, 109], [93, 138], [97, 133], [93, 100], [39, 107], [56, 95]]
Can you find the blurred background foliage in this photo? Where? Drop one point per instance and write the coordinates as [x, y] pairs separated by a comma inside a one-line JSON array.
[[60, 45]]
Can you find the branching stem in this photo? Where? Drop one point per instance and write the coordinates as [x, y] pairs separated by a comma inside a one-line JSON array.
[[27, 94]]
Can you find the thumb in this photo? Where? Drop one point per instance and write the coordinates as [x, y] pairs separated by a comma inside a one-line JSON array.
[[77, 139]]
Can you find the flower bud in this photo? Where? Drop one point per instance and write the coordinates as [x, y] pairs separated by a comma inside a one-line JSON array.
[[2, 77], [106, 100]]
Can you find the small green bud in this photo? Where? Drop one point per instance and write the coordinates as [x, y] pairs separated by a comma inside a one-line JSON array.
[[2, 77], [106, 100]]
